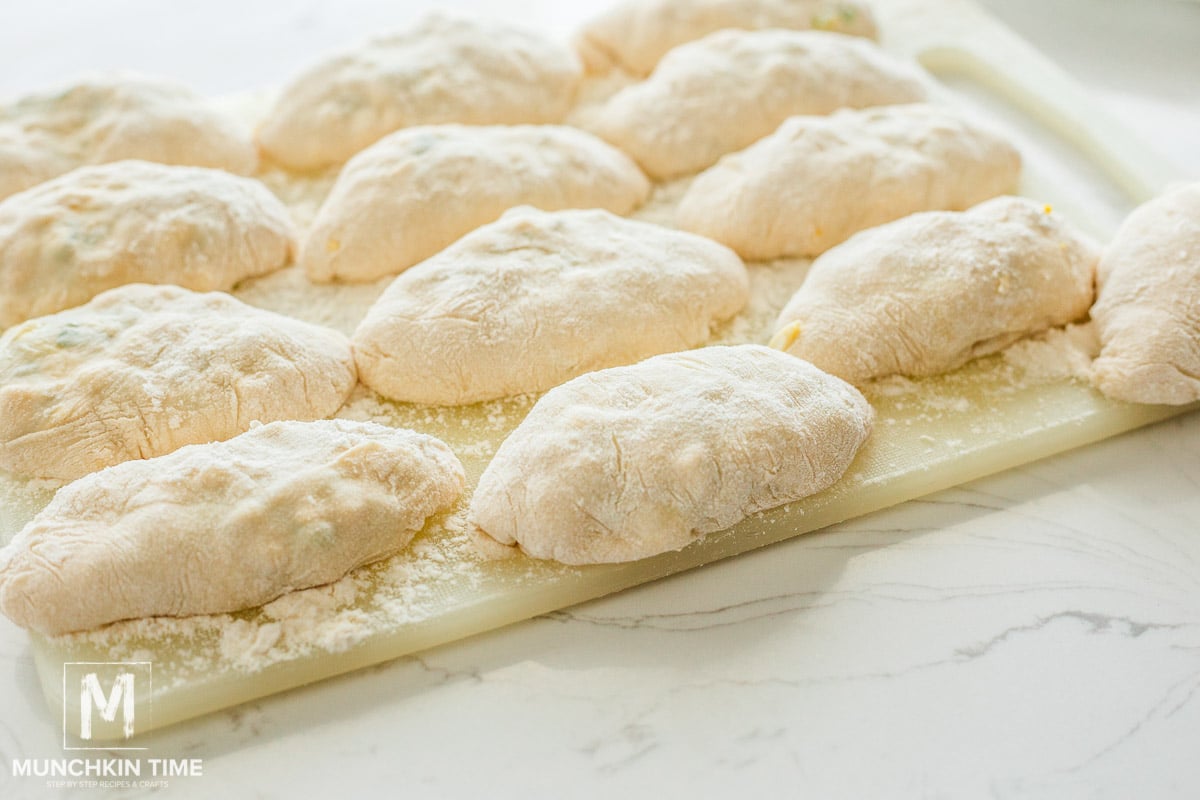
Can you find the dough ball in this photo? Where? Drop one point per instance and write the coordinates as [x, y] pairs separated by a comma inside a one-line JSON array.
[[818, 180], [443, 69], [633, 461], [225, 526], [731, 88], [114, 117], [418, 190], [1148, 309], [635, 34], [537, 298], [927, 293], [67, 240], [143, 370]]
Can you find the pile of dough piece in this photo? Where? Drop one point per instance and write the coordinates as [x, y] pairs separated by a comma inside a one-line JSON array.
[[467, 161]]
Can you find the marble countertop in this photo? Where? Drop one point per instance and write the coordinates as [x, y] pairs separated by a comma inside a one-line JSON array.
[[1034, 634]]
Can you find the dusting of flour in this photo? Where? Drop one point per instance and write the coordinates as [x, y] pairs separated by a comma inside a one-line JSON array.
[[333, 618], [1056, 354]]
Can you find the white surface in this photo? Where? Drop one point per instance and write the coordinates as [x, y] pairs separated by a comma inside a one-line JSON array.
[[1035, 634]]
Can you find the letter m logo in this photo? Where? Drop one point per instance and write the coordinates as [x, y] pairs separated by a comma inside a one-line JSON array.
[[100, 699], [91, 695]]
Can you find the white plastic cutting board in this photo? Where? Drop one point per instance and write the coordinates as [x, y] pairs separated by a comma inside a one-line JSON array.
[[982, 419]]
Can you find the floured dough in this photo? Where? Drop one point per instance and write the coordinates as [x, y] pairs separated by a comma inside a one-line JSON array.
[[537, 298], [26, 159], [225, 526], [418, 190], [103, 118], [731, 88], [443, 69], [143, 370], [818, 180], [1148, 309], [65, 241], [633, 461], [929, 292], [635, 34]]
